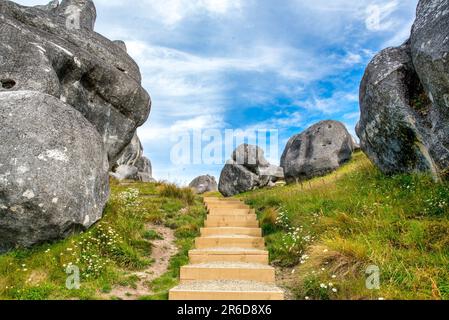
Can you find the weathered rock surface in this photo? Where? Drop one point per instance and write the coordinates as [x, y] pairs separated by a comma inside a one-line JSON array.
[[204, 184], [404, 99], [321, 149], [250, 156], [70, 102], [388, 129], [53, 49], [125, 172], [133, 165], [247, 170], [235, 179], [53, 170]]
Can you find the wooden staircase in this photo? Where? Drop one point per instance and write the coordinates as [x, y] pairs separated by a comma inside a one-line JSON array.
[[230, 261]]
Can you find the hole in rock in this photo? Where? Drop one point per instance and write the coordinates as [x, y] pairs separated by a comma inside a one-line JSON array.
[[8, 83]]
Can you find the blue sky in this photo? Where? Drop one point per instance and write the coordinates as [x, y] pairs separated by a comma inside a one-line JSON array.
[[247, 64]]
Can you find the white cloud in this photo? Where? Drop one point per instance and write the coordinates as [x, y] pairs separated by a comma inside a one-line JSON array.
[[172, 12], [335, 104]]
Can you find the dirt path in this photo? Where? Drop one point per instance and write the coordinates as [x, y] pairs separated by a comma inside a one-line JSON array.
[[162, 251]]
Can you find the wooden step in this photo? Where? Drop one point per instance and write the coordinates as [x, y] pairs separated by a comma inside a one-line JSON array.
[[227, 206], [232, 241], [247, 221], [228, 255], [234, 212], [254, 232], [226, 290], [221, 200], [228, 271]]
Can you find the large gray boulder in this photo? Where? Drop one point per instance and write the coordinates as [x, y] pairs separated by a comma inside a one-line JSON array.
[[250, 156], [236, 179], [391, 132], [53, 50], [204, 184], [70, 102], [404, 99], [53, 170], [247, 170], [321, 149], [430, 53]]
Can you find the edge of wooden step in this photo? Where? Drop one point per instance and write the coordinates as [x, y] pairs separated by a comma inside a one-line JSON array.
[[226, 290]]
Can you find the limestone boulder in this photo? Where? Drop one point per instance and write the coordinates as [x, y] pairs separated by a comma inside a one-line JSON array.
[[53, 170], [404, 99], [319, 150], [204, 184], [53, 50], [236, 179]]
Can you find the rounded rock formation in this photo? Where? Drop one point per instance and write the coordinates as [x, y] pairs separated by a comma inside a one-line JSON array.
[[404, 99], [54, 50], [321, 149], [204, 184], [53, 170]]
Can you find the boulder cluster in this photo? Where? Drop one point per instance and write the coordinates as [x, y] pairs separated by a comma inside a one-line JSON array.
[[71, 101], [321, 149], [404, 99], [247, 170]]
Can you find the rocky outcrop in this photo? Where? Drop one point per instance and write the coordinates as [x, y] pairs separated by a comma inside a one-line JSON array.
[[53, 170], [321, 149], [53, 50], [404, 99], [247, 170], [133, 165], [70, 102], [204, 184]]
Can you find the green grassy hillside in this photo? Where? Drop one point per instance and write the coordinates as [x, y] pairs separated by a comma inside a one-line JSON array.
[[324, 233], [109, 253]]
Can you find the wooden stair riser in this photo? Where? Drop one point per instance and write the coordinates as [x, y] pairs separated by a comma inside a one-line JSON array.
[[253, 232], [249, 220], [247, 258], [255, 243], [230, 207], [226, 224], [233, 212], [192, 273]]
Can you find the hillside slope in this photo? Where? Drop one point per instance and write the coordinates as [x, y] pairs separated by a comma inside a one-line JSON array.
[[115, 256], [324, 234]]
